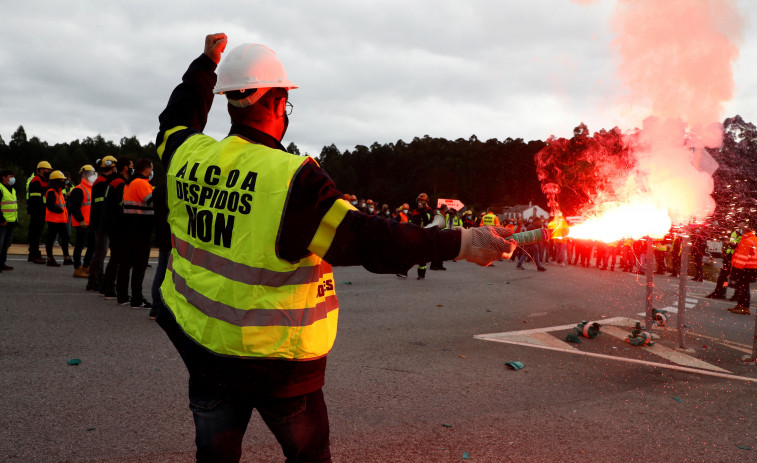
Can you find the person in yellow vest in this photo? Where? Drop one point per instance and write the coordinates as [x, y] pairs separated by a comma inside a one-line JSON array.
[[744, 263], [490, 219], [249, 294], [56, 217], [8, 214], [80, 206], [139, 219]]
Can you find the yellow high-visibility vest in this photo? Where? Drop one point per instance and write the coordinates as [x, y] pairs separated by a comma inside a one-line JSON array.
[[9, 204], [225, 284]]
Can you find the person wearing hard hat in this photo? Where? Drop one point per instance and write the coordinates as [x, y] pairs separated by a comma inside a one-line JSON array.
[[113, 223], [139, 219], [249, 293], [56, 217], [96, 273], [490, 219], [468, 220], [80, 207], [402, 215], [8, 214], [35, 206], [421, 216]]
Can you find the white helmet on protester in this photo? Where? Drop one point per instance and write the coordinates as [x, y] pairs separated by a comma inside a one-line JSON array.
[[251, 66]]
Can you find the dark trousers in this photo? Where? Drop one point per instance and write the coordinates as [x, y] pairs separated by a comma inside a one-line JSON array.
[[6, 238], [36, 225], [135, 259], [83, 239], [676, 265], [742, 278], [659, 257], [60, 229], [699, 267], [725, 271], [117, 243], [300, 424], [97, 268]]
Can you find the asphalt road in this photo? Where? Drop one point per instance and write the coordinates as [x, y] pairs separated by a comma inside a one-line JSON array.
[[406, 381]]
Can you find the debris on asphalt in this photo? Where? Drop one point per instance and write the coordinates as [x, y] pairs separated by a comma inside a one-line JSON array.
[[463, 356], [639, 337], [346, 283], [660, 316], [573, 338], [446, 425], [74, 361], [587, 329], [466, 456], [516, 365], [744, 447], [440, 305], [91, 429], [677, 399]]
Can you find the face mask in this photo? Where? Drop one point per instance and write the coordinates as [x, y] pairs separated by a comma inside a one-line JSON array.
[[370, 209], [68, 182], [152, 173], [354, 203], [405, 211], [12, 181], [420, 205], [362, 204], [387, 213], [131, 172]]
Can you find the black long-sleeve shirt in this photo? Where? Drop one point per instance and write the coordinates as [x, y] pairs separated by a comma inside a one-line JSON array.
[[75, 200], [35, 205]]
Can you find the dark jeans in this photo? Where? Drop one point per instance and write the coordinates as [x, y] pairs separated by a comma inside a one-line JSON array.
[[136, 254], [117, 243], [54, 228], [743, 277], [160, 273], [725, 271], [83, 239], [96, 271], [300, 424], [36, 224], [6, 237]]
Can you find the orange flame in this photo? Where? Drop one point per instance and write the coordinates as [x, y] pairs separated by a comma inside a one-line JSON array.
[[635, 220]]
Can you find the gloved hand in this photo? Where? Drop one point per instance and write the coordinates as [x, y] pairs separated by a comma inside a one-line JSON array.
[[483, 245]]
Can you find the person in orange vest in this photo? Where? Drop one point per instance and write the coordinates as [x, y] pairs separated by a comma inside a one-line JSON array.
[[139, 218], [56, 217], [80, 204], [744, 263], [402, 216]]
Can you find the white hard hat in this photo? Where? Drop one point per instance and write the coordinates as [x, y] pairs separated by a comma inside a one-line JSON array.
[[251, 65]]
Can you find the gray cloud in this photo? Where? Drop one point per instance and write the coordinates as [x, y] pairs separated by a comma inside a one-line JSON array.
[[368, 71]]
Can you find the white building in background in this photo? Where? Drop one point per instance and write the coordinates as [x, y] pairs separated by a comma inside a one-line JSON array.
[[524, 211]]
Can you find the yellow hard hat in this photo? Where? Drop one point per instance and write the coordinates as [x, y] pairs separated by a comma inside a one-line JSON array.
[[57, 175], [44, 165], [86, 168], [108, 161]]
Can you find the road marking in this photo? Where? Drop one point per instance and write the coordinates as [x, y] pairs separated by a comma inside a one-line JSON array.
[[539, 338], [664, 352]]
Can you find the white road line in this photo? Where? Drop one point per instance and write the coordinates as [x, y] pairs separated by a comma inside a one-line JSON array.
[[627, 360], [664, 352]]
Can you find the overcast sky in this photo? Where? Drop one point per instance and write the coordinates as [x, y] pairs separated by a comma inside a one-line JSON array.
[[368, 71]]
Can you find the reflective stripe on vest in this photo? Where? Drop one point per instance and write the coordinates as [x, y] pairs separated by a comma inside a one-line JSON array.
[[133, 204], [58, 217], [225, 284], [86, 205], [9, 204]]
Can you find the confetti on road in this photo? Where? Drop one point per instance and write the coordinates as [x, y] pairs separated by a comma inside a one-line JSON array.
[[74, 361]]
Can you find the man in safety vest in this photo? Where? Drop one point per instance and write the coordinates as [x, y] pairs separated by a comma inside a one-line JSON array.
[[422, 216], [113, 223], [402, 215], [729, 247], [249, 293], [138, 216], [80, 207], [56, 217], [468, 220], [8, 214], [96, 273], [744, 264], [490, 219], [35, 206]]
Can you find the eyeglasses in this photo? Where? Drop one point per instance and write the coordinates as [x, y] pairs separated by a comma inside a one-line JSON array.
[[290, 108]]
